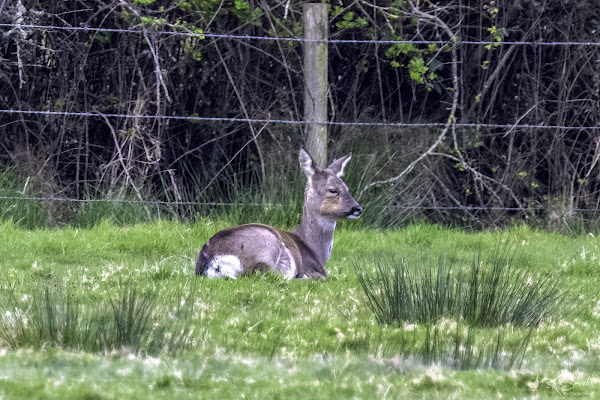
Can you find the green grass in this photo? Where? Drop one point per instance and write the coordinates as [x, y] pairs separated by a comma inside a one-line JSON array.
[[264, 337]]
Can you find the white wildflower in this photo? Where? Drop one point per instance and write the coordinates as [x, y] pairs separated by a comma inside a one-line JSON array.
[[435, 373], [596, 312], [409, 327]]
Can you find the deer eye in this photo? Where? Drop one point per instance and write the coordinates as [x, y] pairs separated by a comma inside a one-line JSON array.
[[333, 191]]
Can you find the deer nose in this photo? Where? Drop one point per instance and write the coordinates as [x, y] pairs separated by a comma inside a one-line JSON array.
[[357, 210]]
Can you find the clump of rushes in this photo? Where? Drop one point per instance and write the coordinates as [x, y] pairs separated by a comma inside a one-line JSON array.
[[483, 300], [490, 293], [131, 321]]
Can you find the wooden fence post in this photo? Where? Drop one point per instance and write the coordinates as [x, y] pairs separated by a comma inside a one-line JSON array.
[[315, 81]]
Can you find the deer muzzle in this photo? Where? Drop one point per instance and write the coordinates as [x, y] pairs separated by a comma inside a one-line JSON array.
[[355, 212]]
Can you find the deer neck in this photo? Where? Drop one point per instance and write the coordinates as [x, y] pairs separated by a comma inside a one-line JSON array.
[[317, 233]]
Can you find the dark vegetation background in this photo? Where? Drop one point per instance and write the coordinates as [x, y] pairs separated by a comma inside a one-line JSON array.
[[551, 176]]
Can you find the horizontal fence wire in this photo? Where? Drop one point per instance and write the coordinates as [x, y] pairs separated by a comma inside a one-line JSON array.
[[295, 122], [125, 201], [292, 39], [268, 205]]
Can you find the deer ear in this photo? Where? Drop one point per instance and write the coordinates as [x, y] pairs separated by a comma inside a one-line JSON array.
[[307, 164], [337, 167]]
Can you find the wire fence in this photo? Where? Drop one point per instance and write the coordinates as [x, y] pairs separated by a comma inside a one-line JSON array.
[[293, 39], [271, 205], [294, 122], [203, 35]]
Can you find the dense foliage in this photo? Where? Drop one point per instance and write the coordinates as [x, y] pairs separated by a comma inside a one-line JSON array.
[[143, 68]]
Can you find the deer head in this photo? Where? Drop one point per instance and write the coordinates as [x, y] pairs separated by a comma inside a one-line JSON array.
[[326, 195]]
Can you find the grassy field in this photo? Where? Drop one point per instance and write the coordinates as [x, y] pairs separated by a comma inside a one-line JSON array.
[[264, 337]]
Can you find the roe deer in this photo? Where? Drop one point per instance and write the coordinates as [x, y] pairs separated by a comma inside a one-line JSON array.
[[298, 254]]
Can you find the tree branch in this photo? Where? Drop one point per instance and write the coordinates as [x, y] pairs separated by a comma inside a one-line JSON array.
[[125, 169], [451, 118]]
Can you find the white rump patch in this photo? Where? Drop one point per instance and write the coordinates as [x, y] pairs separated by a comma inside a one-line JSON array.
[[225, 266]]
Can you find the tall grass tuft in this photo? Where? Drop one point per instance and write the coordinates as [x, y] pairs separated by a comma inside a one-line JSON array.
[[132, 322], [278, 201], [24, 213], [488, 294], [480, 303], [500, 293], [467, 347], [121, 208]]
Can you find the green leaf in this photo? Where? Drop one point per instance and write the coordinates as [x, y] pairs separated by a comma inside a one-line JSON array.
[[417, 69]]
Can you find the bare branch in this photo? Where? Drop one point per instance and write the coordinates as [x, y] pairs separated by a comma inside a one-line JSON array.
[[243, 106], [451, 118], [125, 169], [232, 158]]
